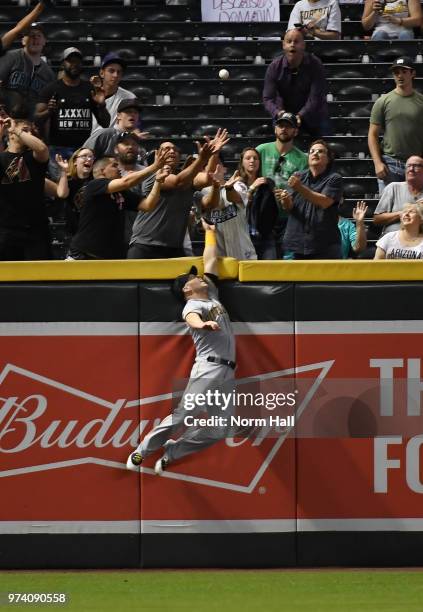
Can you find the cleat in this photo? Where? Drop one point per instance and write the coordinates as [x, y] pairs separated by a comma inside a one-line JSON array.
[[161, 465], [134, 462]]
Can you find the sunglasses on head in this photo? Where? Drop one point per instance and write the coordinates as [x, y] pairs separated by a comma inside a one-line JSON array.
[[279, 163]]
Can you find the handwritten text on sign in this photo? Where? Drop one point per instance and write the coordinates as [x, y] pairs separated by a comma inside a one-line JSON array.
[[240, 10]]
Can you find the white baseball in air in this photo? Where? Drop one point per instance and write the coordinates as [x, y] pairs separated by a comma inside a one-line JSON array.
[[224, 74]]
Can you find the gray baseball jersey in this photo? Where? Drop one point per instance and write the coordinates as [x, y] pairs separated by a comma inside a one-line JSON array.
[[219, 343]]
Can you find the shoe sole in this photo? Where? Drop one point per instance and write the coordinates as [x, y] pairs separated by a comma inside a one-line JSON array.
[[131, 466], [158, 467]]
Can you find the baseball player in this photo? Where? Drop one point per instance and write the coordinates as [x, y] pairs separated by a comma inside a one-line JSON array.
[[214, 365]]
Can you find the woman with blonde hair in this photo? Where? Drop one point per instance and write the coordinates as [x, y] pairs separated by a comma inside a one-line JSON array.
[[407, 242]]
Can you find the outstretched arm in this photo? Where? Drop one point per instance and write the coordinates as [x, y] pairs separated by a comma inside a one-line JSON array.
[[210, 249], [38, 147], [9, 37]]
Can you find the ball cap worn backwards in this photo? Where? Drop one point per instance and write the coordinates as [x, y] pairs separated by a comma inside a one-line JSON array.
[[180, 282]]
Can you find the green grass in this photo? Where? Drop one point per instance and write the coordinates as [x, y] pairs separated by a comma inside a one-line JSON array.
[[223, 590]]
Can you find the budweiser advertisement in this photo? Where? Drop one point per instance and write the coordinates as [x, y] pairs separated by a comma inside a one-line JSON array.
[[76, 397]]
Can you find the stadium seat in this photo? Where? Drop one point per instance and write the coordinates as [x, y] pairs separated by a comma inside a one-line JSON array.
[[355, 92]]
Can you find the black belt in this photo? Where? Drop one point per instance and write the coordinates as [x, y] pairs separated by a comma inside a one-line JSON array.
[[226, 362]]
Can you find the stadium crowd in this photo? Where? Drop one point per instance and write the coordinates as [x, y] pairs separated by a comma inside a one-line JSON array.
[[80, 141]]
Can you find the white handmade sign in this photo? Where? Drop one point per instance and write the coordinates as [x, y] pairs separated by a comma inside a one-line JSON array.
[[240, 10]]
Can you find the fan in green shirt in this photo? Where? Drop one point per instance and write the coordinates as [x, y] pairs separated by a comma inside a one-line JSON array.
[[280, 159]]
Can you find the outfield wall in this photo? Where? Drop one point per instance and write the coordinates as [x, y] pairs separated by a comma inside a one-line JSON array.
[[90, 356]]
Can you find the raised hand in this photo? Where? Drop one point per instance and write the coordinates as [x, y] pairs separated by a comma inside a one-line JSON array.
[[221, 138], [164, 157], [234, 178], [62, 163], [4, 125], [206, 150], [52, 105], [359, 212], [284, 198], [140, 135], [162, 174], [294, 182], [98, 95], [218, 176]]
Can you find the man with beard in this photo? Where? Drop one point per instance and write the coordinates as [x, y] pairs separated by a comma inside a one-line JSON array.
[[67, 107], [127, 151], [280, 159], [103, 142], [23, 73], [295, 82]]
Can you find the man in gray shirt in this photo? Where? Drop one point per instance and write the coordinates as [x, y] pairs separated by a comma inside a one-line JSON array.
[[214, 366], [396, 195], [160, 234], [103, 141], [23, 72]]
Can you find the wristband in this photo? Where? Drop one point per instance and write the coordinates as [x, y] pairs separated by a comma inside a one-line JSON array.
[[210, 238]]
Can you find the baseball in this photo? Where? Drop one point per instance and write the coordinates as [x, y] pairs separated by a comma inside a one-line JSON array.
[[224, 74]]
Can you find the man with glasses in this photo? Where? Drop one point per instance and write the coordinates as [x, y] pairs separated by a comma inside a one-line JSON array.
[[398, 114], [312, 229], [396, 195], [280, 159]]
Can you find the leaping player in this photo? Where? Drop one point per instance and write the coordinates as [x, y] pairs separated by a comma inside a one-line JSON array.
[[214, 365]]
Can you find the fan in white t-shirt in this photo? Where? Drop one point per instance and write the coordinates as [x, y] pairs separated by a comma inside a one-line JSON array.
[[407, 242], [319, 19]]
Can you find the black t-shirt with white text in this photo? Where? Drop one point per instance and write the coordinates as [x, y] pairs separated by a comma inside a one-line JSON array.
[[71, 125], [22, 191], [101, 223]]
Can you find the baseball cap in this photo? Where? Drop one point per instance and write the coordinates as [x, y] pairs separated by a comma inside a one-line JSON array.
[[71, 51], [128, 103], [288, 118], [403, 62], [124, 136], [113, 58], [34, 27], [180, 282]]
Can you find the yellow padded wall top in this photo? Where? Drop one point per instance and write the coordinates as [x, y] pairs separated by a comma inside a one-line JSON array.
[[331, 270], [131, 269]]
